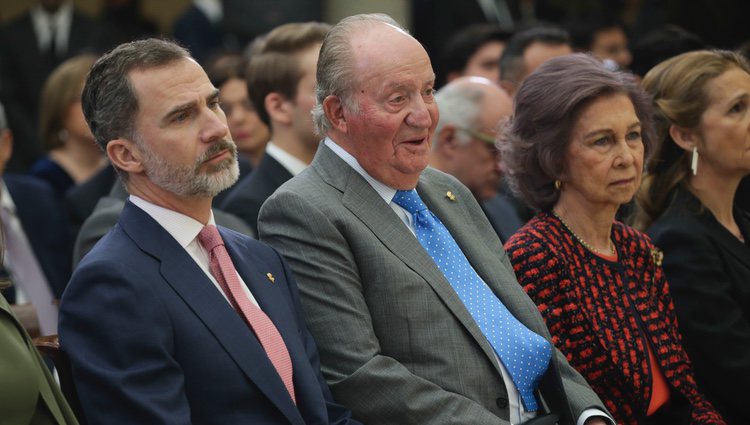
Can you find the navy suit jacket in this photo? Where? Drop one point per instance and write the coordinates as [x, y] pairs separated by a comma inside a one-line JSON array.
[[151, 339], [43, 223]]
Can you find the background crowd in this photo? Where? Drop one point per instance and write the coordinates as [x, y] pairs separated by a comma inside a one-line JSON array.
[[606, 146]]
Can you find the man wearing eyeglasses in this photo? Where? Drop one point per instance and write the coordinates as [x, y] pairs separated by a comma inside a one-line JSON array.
[[463, 144]]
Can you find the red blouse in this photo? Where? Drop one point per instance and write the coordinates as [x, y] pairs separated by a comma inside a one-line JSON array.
[[605, 315]]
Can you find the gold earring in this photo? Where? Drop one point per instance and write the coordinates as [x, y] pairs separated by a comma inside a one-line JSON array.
[[558, 184]]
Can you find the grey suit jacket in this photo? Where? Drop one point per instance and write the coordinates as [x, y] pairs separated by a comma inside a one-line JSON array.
[[397, 345]]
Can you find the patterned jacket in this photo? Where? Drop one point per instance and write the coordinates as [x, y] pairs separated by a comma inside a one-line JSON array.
[[602, 314]]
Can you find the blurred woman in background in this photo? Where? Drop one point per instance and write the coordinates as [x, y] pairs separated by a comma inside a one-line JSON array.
[[227, 73], [73, 156]]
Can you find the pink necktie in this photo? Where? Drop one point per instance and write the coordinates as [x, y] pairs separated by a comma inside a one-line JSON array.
[[223, 270]]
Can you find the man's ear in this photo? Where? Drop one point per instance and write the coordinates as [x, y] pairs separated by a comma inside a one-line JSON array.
[[125, 155], [278, 108], [334, 111], [684, 138]]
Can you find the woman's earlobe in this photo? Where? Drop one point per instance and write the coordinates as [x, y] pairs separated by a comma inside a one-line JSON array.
[[684, 138]]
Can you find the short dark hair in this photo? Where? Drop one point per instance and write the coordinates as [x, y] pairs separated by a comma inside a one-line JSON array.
[[662, 44], [511, 61], [109, 101], [466, 42], [546, 108], [584, 29], [224, 67], [274, 66]]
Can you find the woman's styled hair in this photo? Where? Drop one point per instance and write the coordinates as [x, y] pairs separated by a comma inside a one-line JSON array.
[[535, 139], [677, 87], [62, 88]]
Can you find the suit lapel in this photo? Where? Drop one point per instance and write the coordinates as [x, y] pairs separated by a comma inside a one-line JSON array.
[[275, 172], [362, 200], [267, 293], [191, 284], [723, 236], [485, 258], [45, 378], [733, 245]]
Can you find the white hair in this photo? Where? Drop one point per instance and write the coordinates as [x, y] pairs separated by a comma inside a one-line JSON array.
[[460, 106]]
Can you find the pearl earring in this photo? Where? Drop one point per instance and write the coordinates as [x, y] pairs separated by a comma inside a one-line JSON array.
[[694, 161]]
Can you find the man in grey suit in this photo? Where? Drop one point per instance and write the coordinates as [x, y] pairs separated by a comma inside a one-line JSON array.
[[398, 345]]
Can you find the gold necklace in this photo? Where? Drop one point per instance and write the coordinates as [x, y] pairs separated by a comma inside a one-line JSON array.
[[583, 242]]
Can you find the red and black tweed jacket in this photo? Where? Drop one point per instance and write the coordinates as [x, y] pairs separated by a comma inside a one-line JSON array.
[[602, 313]]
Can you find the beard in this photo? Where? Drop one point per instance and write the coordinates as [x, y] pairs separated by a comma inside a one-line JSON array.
[[190, 181]]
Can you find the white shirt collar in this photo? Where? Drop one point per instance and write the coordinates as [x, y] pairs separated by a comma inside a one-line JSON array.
[[61, 20], [6, 202], [183, 229], [386, 192], [292, 164], [213, 9]]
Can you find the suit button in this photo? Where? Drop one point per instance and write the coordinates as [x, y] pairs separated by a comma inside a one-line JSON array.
[[502, 402]]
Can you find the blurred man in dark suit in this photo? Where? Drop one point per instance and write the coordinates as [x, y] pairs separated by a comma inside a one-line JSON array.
[[37, 248], [31, 46]]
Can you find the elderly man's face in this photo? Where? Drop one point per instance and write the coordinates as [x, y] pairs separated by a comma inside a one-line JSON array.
[[391, 133]]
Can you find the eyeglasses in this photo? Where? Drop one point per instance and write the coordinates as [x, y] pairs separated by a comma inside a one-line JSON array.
[[483, 137]]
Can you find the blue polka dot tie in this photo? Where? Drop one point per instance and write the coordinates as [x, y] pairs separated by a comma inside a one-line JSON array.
[[524, 354]]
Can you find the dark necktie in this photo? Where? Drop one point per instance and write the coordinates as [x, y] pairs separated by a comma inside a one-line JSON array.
[[52, 47]]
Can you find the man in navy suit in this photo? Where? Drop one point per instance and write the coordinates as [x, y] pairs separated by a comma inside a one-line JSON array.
[[37, 246], [155, 332]]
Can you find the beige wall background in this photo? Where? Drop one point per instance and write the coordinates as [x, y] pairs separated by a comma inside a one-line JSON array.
[[164, 12]]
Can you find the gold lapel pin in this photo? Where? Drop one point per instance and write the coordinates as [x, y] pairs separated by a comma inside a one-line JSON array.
[[450, 196], [270, 277], [658, 256]]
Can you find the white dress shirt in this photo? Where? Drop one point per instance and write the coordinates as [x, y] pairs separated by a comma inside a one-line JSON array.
[[185, 231], [213, 9], [45, 22], [292, 164], [28, 278], [518, 415]]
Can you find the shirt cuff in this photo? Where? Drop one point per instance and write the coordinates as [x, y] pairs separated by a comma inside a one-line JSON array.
[[594, 412]]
